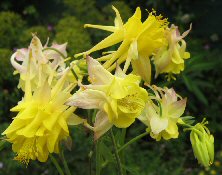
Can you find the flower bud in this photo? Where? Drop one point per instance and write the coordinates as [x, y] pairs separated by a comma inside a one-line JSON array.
[[203, 144]]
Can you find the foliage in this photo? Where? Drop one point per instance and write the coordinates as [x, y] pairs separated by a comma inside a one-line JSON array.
[[9, 93], [42, 32], [87, 13], [70, 29], [125, 11], [11, 26]]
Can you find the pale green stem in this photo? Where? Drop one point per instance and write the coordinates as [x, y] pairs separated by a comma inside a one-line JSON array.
[[116, 153], [122, 154], [67, 170], [54, 161], [133, 140], [56, 50]]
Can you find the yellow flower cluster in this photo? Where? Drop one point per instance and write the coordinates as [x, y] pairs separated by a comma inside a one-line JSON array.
[[141, 41], [41, 122], [49, 101]]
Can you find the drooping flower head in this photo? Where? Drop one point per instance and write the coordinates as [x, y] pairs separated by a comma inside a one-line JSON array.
[[162, 112], [202, 143], [41, 122], [139, 40], [42, 63], [118, 97], [170, 58]]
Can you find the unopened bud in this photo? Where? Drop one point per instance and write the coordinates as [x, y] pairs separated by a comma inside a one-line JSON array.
[[203, 144]]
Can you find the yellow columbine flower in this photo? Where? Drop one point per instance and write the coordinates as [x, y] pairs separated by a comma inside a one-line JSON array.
[[170, 58], [162, 113], [202, 143], [118, 97], [41, 63], [41, 122], [139, 40]]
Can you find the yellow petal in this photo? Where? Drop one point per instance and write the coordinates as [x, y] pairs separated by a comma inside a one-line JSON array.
[[107, 28], [75, 120], [142, 67]]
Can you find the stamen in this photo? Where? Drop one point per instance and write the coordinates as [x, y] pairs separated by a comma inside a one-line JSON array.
[[27, 151]]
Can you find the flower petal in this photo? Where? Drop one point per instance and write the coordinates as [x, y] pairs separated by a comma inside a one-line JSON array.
[[177, 108], [142, 67], [75, 120], [87, 99], [98, 75], [158, 124], [102, 124]]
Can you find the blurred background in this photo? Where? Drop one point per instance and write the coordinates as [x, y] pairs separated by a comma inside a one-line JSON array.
[[63, 20]]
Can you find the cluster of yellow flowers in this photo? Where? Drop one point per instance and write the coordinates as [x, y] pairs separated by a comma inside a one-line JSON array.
[[48, 81]]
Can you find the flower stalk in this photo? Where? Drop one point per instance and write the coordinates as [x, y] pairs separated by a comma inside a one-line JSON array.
[[132, 141], [118, 161], [54, 161], [98, 167], [67, 170]]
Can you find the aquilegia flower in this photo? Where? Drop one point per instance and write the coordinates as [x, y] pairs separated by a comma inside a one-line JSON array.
[[162, 112], [41, 122], [118, 97], [170, 58], [41, 63], [138, 42]]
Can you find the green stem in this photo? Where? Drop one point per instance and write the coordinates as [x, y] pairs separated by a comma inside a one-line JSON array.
[[67, 170], [54, 161], [56, 50], [90, 162], [116, 153], [133, 140], [122, 154], [90, 159], [98, 168]]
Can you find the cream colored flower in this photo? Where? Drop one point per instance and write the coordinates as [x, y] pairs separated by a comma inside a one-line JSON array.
[[162, 113]]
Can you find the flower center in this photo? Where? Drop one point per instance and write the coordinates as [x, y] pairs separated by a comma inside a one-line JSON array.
[[131, 104]]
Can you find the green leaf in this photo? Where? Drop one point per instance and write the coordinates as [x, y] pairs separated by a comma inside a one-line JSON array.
[[201, 67], [204, 84], [199, 94], [106, 153], [2, 144], [187, 82]]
